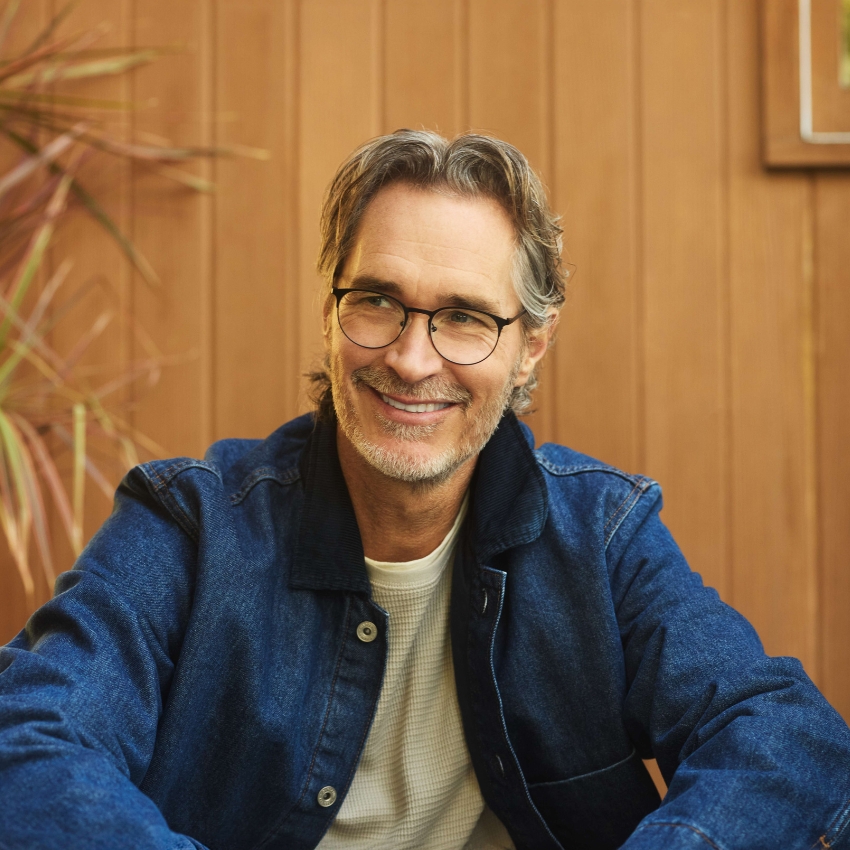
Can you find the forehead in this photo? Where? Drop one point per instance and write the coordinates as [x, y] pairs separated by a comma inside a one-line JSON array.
[[431, 243]]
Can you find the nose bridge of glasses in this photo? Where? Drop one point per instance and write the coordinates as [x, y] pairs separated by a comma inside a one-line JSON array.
[[429, 316]]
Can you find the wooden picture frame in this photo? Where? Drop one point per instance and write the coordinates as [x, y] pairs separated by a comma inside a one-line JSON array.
[[805, 104]]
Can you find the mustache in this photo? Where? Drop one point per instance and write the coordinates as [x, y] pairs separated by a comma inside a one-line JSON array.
[[388, 383]]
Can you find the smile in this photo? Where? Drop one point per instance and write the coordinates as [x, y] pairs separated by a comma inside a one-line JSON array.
[[423, 407]]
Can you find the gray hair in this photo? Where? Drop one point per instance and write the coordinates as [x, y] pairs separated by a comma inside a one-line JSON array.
[[470, 165]]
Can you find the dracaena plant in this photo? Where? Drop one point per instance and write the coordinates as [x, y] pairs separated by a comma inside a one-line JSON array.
[[50, 403]]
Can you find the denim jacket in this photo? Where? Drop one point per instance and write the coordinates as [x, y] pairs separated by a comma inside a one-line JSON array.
[[198, 679]]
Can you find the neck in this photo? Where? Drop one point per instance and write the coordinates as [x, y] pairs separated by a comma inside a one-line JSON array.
[[400, 521]]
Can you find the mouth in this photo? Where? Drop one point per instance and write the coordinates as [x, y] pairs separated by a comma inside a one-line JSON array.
[[418, 407]]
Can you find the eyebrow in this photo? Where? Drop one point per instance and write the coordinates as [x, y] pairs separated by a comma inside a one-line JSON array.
[[469, 302]]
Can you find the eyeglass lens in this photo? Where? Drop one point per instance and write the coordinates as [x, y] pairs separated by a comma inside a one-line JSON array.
[[375, 320]]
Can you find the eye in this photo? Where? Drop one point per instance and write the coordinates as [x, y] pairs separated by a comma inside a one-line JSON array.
[[373, 299], [458, 317]]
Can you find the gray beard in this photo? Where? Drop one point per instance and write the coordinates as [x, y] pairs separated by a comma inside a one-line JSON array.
[[396, 464]]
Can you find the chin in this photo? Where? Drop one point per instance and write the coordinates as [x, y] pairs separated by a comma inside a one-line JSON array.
[[403, 462]]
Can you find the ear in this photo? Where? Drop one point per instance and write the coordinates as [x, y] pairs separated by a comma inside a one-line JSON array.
[[327, 318], [536, 345]]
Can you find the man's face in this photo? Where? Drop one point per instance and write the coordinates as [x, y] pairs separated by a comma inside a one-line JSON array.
[[428, 250]]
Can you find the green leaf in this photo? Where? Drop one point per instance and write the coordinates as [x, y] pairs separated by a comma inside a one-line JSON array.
[[35, 253], [99, 214], [51, 27], [97, 68]]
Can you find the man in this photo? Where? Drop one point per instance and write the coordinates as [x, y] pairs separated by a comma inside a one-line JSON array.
[[394, 624]]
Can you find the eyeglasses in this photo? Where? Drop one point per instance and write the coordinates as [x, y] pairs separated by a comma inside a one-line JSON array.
[[375, 320]]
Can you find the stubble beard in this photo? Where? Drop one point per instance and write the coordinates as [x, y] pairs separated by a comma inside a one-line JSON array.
[[401, 465]]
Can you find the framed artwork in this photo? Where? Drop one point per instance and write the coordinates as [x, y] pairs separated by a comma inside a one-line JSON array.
[[806, 83]]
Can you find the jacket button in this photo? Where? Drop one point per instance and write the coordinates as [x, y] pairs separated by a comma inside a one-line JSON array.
[[367, 632], [327, 796]]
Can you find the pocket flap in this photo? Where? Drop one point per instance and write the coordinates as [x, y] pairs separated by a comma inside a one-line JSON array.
[[598, 810]]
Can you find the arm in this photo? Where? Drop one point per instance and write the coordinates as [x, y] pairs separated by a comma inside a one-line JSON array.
[[82, 687], [752, 753]]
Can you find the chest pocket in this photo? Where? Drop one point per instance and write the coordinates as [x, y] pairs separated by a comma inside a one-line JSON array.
[[597, 810]]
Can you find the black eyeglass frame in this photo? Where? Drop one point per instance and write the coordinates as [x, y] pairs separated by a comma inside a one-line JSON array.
[[501, 323]]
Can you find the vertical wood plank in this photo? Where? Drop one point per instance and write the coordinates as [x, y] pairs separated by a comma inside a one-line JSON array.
[[339, 109], [596, 399], [100, 266], [773, 538], [256, 290], [509, 97], [508, 69], [98, 259], [173, 226], [684, 270], [31, 18], [832, 250], [425, 57]]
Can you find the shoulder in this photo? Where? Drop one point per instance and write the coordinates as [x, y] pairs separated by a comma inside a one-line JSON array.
[[584, 491], [562, 462], [186, 486]]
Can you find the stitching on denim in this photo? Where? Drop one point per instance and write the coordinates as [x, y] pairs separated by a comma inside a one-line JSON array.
[[502, 576], [167, 500], [186, 521], [265, 473], [618, 509], [555, 469], [276, 830], [840, 823], [622, 511], [627, 759], [699, 832], [368, 728], [836, 827], [160, 482], [164, 477]]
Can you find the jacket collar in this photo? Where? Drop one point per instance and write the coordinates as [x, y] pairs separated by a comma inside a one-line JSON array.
[[509, 507], [509, 496]]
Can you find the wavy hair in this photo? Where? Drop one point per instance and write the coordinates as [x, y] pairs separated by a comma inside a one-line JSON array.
[[470, 165]]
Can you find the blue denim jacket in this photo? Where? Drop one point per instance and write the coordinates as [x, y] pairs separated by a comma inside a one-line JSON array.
[[198, 679]]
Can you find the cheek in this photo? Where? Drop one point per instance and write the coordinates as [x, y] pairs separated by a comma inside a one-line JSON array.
[[345, 355]]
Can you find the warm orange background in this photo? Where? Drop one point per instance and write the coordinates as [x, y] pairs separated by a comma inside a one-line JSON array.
[[705, 339]]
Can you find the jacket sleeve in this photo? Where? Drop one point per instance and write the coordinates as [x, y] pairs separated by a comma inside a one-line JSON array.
[[82, 686], [753, 754]]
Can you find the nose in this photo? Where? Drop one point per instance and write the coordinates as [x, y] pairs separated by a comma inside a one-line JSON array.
[[412, 356]]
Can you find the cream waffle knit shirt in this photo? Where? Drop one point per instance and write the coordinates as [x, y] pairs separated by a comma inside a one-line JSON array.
[[414, 788]]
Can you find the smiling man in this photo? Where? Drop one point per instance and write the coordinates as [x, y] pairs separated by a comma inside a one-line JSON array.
[[395, 623]]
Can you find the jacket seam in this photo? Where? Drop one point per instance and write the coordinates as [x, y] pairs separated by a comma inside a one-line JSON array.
[[504, 729], [264, 473], [308, 778], [587, 775], [176, 468], [699, 832], [162, 491], [565, 471], [624, 509], [835, 829]]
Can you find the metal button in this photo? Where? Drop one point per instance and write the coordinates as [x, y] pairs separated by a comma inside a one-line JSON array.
[[367, 632], [483, 601], [327, 796], [500, 767]]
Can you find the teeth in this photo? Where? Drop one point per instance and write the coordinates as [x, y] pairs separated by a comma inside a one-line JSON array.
[[414, 408]]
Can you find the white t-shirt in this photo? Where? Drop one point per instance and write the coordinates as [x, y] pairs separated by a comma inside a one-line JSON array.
[[414, 786]]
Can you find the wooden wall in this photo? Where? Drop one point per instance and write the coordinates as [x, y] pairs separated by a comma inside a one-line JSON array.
[[705, 339]]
